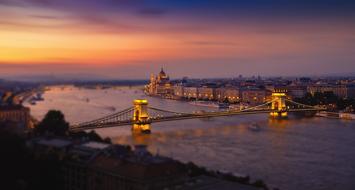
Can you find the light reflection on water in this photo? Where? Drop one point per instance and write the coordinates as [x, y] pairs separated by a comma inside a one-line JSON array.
[[298, 153]]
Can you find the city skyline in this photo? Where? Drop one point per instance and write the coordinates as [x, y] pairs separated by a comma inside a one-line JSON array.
[[118, 39]]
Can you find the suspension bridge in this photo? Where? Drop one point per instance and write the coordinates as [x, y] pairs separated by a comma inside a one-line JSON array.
[[140, 116]]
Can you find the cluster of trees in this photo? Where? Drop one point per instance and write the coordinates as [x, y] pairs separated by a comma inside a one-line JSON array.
[[54, 124], [329, 99]]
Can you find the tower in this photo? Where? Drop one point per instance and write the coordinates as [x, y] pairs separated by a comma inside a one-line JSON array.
[[278, 105], [140, 116]]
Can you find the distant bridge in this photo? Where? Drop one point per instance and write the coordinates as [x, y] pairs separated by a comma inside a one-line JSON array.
[[140, 116]]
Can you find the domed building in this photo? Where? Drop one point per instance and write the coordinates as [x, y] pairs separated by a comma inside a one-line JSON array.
[[159, 85]]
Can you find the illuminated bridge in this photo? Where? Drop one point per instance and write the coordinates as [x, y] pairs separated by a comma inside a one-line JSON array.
[[140, 116]]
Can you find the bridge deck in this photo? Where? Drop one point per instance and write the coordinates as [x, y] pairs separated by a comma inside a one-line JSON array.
[[97, 124]]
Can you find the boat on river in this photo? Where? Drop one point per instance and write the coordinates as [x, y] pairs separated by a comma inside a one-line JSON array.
[[347, 116], [254, 127], [328, 114]]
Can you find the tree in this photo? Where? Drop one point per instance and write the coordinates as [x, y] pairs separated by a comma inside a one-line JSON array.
[[53, 123]]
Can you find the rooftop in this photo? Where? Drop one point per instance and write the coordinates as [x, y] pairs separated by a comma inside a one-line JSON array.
[[136, 170], [96, 145], [58, 143]]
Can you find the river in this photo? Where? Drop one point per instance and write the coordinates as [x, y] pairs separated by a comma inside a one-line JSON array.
[[298, 153]]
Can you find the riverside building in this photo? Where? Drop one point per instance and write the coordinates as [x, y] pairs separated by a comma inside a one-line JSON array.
[[160, 85]]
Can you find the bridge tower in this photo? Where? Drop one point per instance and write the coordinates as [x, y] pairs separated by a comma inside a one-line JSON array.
[[141, 120], [278, 106]]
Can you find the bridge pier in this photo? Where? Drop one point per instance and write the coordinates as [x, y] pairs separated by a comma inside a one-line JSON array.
[[278, 106], [141, 121]]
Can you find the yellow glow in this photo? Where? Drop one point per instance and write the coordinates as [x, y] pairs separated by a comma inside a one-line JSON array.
[[140, 101], [278, 94]]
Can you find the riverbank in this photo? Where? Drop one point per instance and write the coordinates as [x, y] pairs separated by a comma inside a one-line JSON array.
[[336, 115]]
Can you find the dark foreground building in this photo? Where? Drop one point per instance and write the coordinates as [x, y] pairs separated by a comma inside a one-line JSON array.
[[99, 166]]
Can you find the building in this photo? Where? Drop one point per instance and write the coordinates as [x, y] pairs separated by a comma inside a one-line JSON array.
[[110, 173], [90, 165], [18, 115], [190, 92], [339, 90], [159, 85], [42, 146], [205, 93], [350, 90], [219, 94], [297, 91], [178, 91], [99, 166], [232, 95], [13, 115], [253, 96]]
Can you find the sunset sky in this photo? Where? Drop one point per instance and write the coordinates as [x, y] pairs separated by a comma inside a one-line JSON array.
[[129, 39]]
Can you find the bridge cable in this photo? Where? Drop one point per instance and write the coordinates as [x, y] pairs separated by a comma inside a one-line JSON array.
[[106, 117], [304, 105]]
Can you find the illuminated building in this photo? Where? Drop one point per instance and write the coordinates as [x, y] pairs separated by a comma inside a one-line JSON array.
[[13, 114], [253, 96], [159, 85], [178, 91], [278, 104], [232, 95], [141, 117], [191, 92], [339, 90], [205, 93], [297, 91], [219, 94]]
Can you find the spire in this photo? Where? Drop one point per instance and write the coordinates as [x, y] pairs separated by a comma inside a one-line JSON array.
[[162, 73]]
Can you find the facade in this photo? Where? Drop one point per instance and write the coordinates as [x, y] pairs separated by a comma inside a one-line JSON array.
[[190, 92], [13, 115], [254, 96], [17, 114], [159, 85], [205, 93], [90, 165], [109, 173], [339, 90], [178, 91], [219, 94], [297, 91], [232, 94], [109, 167], [351, 91]]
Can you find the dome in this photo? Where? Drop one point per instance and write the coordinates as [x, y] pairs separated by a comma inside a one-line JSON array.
[[162, 73]]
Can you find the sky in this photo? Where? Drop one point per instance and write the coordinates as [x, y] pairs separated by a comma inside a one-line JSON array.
[[129, 39]]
